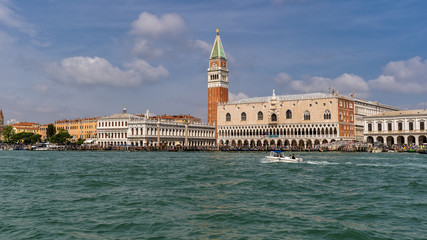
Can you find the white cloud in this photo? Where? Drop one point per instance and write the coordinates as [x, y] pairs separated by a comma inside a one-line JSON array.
[[142, 48], [149, 25], [346, 83], [204, 46], [98, 71], [236, 97], [282, 78], [9, 18], [408, 76]]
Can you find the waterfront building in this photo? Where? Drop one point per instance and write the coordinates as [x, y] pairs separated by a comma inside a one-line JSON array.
[[302, 120], [113, 130], [84, 128], [29, 127], [367, 108], [217, 79], [396, 127], [43, 131], [140, 130], [176, 118]]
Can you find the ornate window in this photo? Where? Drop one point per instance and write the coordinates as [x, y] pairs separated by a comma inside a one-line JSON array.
[[228, 117], [380, 127], [260, 115], [389, 126], [369, 127], [289, 114], [243, 116], [273, 117], [411, 126], [327, 114], [400, 126], [421, 125], [306, 115]]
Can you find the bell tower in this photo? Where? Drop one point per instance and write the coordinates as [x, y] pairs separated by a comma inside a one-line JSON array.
[[217, 79], [1, 122]]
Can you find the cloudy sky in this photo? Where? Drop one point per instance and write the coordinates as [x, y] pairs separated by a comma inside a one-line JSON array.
[[63, 59]]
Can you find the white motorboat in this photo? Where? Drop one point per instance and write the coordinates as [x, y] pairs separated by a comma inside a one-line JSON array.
[[279, 156]]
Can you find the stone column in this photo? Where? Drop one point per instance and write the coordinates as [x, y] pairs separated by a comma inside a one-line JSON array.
[[186, 134]]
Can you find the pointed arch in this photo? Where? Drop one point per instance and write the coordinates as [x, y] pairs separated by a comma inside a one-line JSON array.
[[260, 116], [273, 117], [243, 116], [288, 114], [306, 115]]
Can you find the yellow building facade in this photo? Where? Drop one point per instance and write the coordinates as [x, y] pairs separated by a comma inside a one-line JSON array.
[[84, 128], [26, 127]]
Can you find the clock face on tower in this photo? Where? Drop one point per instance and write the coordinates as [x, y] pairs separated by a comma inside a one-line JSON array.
[[214, 64]]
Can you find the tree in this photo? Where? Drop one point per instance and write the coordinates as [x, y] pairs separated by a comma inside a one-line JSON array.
[[60, 137], [36, 138], [26, 137], [8, 133], [81, 141], [51, 130]]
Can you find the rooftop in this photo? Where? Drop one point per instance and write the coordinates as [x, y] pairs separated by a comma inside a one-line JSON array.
[[399, 113], [287, 98]]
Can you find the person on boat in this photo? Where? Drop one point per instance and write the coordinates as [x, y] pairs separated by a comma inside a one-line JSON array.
[[293, 156]]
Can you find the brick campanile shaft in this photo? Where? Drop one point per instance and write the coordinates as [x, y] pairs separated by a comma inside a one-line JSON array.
[[217, 80]]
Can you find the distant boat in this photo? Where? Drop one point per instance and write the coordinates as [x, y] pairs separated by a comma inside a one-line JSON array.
[[376, 150], [279, 156]]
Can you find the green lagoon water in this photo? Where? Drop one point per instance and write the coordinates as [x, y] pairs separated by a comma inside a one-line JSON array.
[[211, 195]]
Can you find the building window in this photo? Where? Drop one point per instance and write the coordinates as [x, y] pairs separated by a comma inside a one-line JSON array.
[[341, 116], [260, 115], [369, 127], [421, 125], [400, 126], [273, 117], [327, 114], [380, 127], [411, 126], [243, 116], [389, 126], [350, 105], [289, 114], [228, 117], [306, 115], [351, 117]]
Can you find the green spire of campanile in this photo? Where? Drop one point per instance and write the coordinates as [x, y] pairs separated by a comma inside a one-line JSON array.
[[217, 50]]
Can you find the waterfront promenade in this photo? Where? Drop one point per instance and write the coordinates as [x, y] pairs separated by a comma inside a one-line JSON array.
[[337, 147]]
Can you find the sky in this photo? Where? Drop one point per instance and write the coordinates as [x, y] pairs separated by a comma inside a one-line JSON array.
[[67, 59]]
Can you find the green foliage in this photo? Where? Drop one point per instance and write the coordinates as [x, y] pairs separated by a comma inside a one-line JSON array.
[[81, 141], [8, 133], [61, 137], [51, 130], [26, 138], [36, 138]]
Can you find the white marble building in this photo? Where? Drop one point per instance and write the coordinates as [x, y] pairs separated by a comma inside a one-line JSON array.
[[365, 108], [132, 130], [401, 127]]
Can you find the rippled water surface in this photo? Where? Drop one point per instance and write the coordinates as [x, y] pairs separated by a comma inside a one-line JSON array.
[[218, 195]]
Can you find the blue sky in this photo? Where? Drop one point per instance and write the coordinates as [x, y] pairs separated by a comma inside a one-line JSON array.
[[65, 59]]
